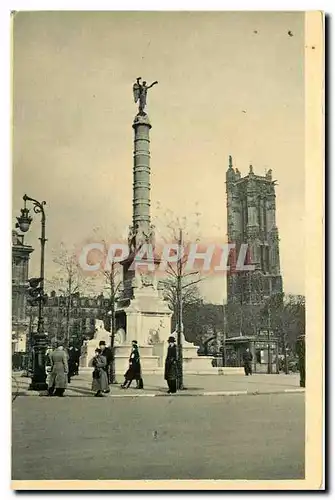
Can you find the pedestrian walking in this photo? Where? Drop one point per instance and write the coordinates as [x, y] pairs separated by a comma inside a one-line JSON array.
[[99, 375], [170, 372], [107, 353], [247, 359], [71, 363], [134, 370], [59, 370], [48, 362], [76, 360]]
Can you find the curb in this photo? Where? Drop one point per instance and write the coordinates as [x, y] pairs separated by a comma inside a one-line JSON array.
[[189, 394]]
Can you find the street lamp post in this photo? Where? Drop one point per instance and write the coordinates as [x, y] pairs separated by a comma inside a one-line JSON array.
[[180, 385], [38, 382], [112, 365], [111, 314], [29, 342]]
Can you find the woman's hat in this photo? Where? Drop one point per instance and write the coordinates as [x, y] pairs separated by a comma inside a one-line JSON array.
[[171, 339]]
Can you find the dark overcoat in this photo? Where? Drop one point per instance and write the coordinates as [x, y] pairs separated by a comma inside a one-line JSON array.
[[247, 357], [171, 372], [59, 369], [72, 361], [100, 379], [134, 370]]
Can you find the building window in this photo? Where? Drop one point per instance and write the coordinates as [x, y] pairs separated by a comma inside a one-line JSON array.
[[267, 259], [259, 214], [265, 220]]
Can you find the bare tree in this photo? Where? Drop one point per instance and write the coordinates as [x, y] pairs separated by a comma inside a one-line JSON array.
[[112, 280], [68, 280], [183, 232], [180, 284], [112, 283], [190, 294]]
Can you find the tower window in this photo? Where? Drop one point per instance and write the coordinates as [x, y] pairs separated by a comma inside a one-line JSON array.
[[267, 259]]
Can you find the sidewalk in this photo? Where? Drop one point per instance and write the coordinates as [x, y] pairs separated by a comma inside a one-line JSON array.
[[196, 385]]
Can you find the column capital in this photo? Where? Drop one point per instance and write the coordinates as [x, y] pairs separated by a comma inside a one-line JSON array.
[[141, 120]]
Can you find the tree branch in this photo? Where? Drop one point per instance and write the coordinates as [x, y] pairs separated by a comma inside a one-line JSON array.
[[193, 283]]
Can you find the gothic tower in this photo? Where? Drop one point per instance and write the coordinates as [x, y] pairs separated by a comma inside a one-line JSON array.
[[251, 213]]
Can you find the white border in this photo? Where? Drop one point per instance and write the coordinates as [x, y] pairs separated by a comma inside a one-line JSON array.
[[5, 99]]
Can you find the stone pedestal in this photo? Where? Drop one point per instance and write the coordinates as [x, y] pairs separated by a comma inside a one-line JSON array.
[[192, 363], [146, 316], [149, 362], [151, 330], [89, 347]]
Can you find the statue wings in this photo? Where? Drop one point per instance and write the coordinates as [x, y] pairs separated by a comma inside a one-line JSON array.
[[136, 92]]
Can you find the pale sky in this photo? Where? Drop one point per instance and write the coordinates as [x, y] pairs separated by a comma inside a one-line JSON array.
[[73, 111]]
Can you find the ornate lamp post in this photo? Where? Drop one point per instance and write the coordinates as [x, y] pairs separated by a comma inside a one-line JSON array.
[[180, 381], [111, 314], [38, 382]]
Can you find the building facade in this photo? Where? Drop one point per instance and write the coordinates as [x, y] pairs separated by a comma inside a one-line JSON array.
[[251, 214], [20, 268], [77, 315]]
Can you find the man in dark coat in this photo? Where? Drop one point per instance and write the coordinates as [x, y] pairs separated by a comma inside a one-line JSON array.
[[134, 370], [107, 353], [72, 362], [76, 357], [247, 359], [171, 367]]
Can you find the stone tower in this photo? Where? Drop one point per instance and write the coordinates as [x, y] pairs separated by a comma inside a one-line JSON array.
[[251, 212]]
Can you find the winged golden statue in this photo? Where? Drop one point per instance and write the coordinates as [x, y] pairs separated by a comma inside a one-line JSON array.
[[140, 93]]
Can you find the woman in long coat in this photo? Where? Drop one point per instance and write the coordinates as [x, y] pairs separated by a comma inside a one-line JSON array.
[[59, 370], [100, 379], [134, 371], [171, 371]]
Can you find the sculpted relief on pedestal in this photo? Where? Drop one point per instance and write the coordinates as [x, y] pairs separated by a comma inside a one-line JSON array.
[[146, 280], [153, 337], [120, 337]]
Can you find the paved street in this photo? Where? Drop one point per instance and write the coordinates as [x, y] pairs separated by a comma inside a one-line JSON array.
[[195, 384], [245, 437]]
